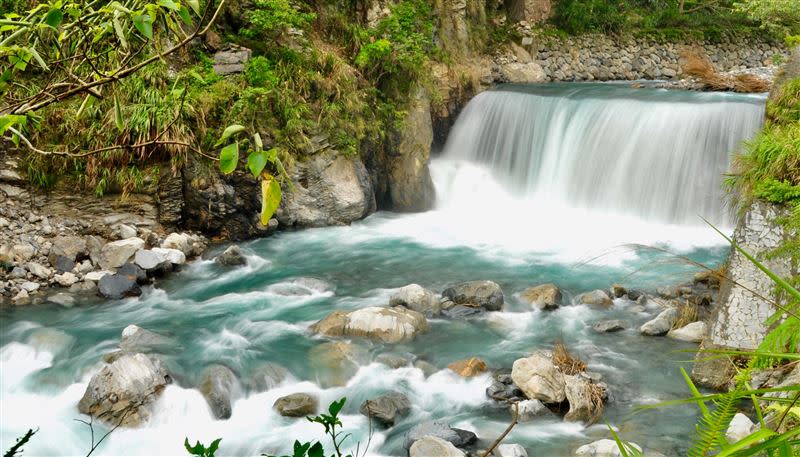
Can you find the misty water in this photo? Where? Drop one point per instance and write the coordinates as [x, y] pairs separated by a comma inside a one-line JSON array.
[[536, 184]]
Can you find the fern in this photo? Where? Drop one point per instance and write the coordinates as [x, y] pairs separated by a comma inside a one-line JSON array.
[[783, 338], [711, 430]]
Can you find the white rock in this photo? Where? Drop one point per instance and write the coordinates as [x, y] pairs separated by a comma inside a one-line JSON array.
[[661, 324], [602, 448], [150, 259], [740, 427], [22, 295], [431, 446], [528, 410], [117, 253], [179, 241], [23, 252], [510, 450], [66, 279], [416, 297], [95, 276], [39, 270], [539, 378], [175, 256], [123, 231], [693, 332], [389, 325], [29, 286]]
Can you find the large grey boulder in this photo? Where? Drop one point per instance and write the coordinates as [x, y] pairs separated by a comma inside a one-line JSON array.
[[582, 407], [386, 408], [296, 405], [526, 73], [510, 450], [437, 429], [118, 286], [602, 448], [117, 253], [219, 387], [330, 189], [545, 296], [417, 298], [122, 390], [433, 446], [661, 324], [597, 297], [484, 294], [136, 339], [389, 325], [609, 326], [71, 247], [539, 378], [152, 260], [232, 256], [693, 332]]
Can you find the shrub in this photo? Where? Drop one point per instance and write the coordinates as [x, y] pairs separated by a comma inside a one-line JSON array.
[[258, 72], [581, 16]]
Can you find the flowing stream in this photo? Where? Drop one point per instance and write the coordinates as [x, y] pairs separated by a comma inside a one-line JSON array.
[[536, 184]]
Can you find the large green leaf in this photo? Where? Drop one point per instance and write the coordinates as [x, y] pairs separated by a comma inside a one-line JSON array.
[[54, 17], [229, 132], [256, 162], [10, 120], [229, 158], [270, 198], [169, 4], [194, 5], [144, 24]]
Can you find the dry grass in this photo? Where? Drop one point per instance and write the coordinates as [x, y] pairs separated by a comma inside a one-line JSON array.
[[695, 63], [596, 395], [565, 361], [687, 313]]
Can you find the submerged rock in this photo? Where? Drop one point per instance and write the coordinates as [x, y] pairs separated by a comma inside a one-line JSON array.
[[545, 296], [539, 378], [528, 410], [609, 326], [417, 298], [386, 408], [392, 360], [484, 294], [389, 325], [118, 286], [602, 448], [219, 387], [469, 367], [693, 332], [267, 376], [121, 391], [661, 324], [296, 405], [433, 446], [595, 298], [136, 339], [231, 257], [336, 362]]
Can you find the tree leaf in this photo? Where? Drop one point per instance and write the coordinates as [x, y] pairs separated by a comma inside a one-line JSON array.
[[212, 448], [270, 198], [336, 406], [256, 162], [194, 5], [144, 24], [316, 450], [229, 158], [258, 142], [54, 18], [118, 114], [169, 4], [229, 132], [118, 30], [38, 58], [183, 13]]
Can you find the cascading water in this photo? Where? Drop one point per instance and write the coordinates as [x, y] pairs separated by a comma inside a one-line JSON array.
[[533, 182], [654, 154]]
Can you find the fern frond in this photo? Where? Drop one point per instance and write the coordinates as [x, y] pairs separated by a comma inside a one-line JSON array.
[[710, 436]]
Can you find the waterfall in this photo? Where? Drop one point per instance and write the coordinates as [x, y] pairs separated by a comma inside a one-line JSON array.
[[651, 153]]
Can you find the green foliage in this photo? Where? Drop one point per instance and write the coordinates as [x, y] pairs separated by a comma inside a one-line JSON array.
[[579, 16], [772, 13], [199, 450], [259, 73], [268, 18], [330, 422], [710, 434], [16, 449]]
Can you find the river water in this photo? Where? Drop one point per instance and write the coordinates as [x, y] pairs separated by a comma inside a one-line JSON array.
[[536, 184]]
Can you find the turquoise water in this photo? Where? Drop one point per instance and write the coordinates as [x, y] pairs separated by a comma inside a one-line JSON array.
[[482, 228]]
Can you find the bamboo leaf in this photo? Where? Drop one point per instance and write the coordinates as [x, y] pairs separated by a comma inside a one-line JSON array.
[[120, 33], [747, 441], [118, 114], [270, 197], [229, 132], [229, 158], [696, 393], [169, 4], [38, 58]]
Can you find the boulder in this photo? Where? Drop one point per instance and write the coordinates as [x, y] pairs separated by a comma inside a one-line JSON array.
[[174, 256], [389, 325], [525, 73], [219, 386], [437, 429], [118, 286], [29, 286], [180, 241], [602, 448], [71, 247], [693, 332], [65, 279], [152, 260], [468, 368], [231, 60], [62, 264], [739, 427], [510, 450], [121, 391], [609, 326], [529, 410], [545, 296], [231, 257], [117, 253], [23, 252], [296, 405], [266, 376], [504, 389], [617, 291], [18, 273], [417, 298], [39, 270], [661, 324], [123, 231], [430, 446], [336, 362], [538, 378], [386, 408], [136, 339], [133, 272], [595, 298], [484, 294], [582, 407]]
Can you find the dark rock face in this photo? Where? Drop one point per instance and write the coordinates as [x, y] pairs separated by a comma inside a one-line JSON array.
[[63, 264], [231, 257], [118, 286], [133, 272], [170, 198]]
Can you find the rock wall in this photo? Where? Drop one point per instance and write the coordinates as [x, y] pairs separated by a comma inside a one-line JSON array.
[[746, 295]]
